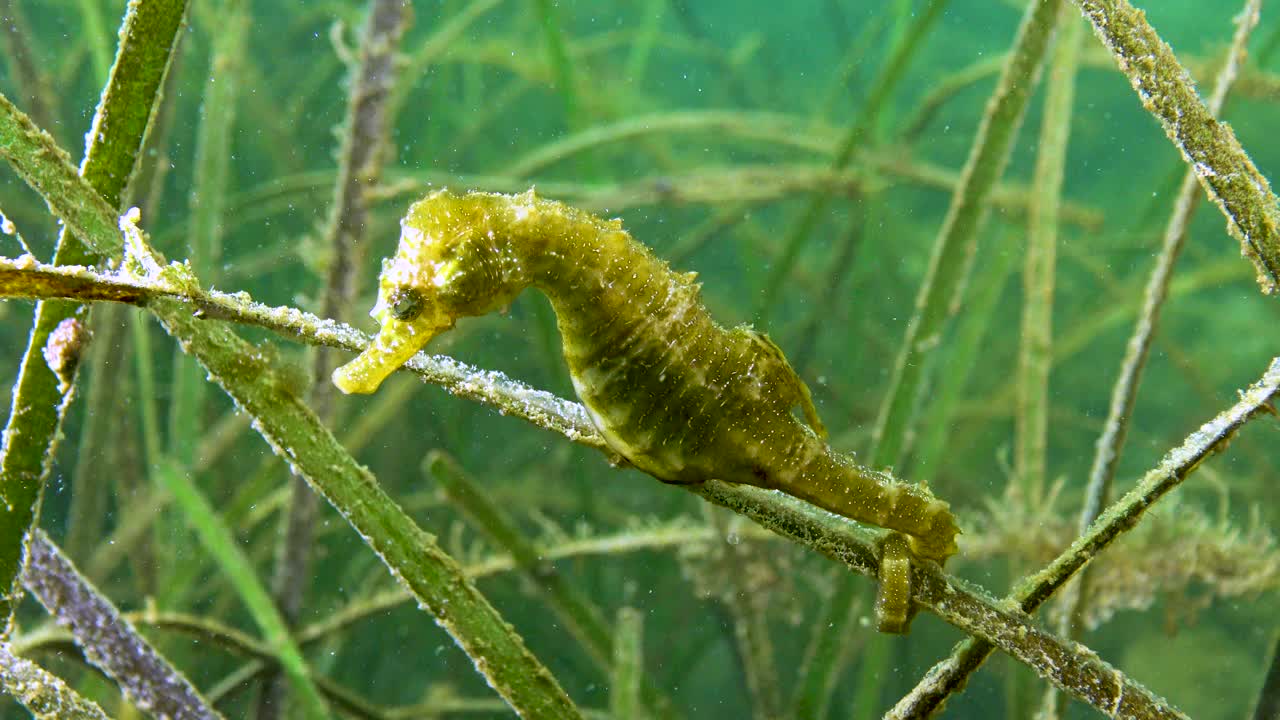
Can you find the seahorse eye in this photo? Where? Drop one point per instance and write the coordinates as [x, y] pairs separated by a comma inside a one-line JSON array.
[[406, 303]]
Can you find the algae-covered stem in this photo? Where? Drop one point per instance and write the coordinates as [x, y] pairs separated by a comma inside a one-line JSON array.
[[673, 392], [954, 601], [85, 201], [279, 417], [1124, 392], [41, 692], [1225, 170], [950, 675], [361, 159], [110, 642], [578, 612]]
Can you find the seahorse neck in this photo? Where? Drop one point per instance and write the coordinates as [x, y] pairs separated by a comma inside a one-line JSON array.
[[587, 268]]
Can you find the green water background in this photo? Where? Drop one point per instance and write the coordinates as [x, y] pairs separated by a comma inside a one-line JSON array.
[[492, 98]]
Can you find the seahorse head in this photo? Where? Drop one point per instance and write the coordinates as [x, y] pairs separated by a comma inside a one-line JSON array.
[[457, 257]]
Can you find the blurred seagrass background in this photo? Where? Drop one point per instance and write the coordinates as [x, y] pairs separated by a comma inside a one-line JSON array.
[[806, 160]]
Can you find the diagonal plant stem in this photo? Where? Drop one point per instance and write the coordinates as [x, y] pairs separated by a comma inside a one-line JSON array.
[[1267, 706], [553, 36], [297, 435], [108, 640], [173, 480], [828, 649], [102, 440], [27, 278], [31, 78], [435, 578], [844, 256], [950, 675], [260, 658], [220, 542], [208, 199], [361, 159], [991, 622], [1124, 393], [628, 665], [418, 62], [874, 103], [943, 284], [962, 356], [630, 541], [40, 398], [1035, 351], [580, 613], [944, 279], [1209, 146], [41, 692]]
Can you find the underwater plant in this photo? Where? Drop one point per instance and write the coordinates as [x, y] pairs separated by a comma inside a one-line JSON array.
[[141, 500]]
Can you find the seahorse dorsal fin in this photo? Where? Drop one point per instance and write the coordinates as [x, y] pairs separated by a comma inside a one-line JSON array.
[[787, 380]]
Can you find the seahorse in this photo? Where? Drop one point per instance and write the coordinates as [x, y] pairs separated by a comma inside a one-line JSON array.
[[673, 392]]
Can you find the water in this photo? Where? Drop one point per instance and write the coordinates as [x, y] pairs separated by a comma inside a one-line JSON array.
[[709, 129]]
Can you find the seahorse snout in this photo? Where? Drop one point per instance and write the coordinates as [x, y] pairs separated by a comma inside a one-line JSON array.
[[394, 345]]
